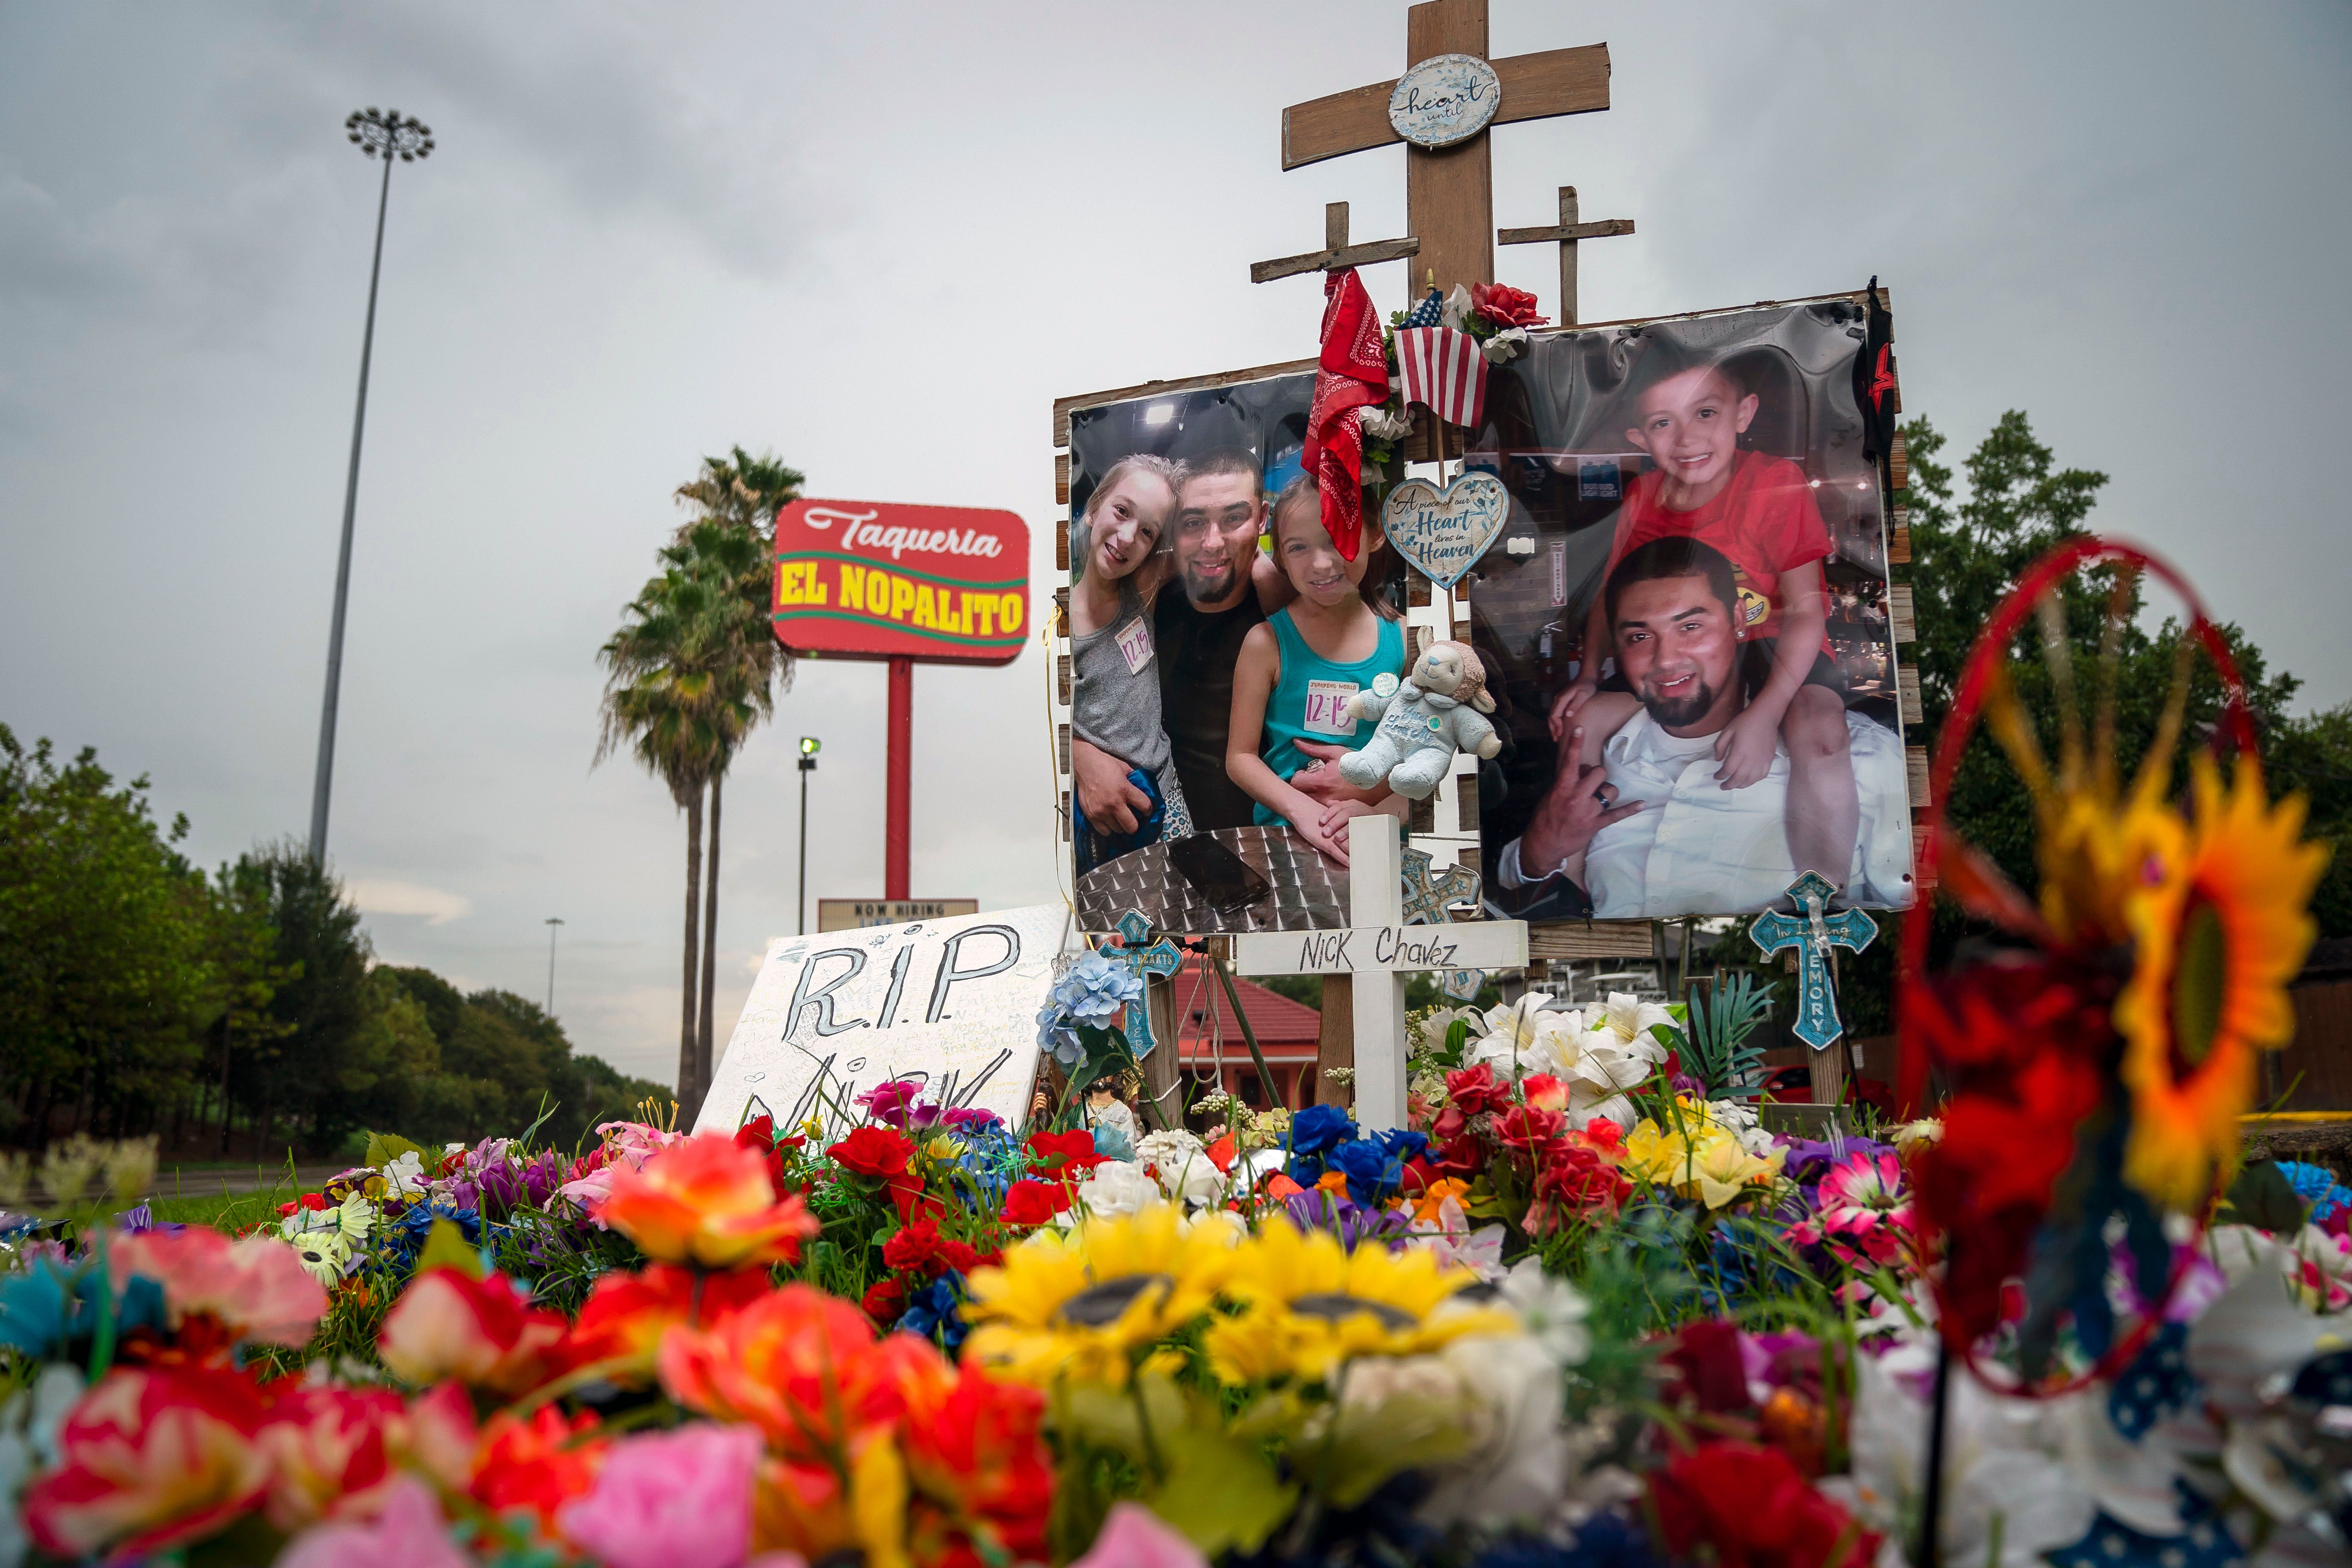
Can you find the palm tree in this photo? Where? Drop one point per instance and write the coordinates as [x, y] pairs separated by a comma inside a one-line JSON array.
[[731, 539], [678, 708], [693, 667]]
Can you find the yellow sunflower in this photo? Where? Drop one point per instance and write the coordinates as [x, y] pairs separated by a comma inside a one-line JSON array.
[[2220, 927], [1309, 1305], [1083, 1306]]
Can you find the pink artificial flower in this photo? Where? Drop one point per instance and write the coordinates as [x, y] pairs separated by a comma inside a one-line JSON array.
[[1134, 1537], [482, 1333], [671, 1499], [328, 1454], [150, 1458], [256, 1287], [410, 1533], [629, 1143], [1864, 1214]]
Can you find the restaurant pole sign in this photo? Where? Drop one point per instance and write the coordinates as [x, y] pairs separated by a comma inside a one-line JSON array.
[[876, 580], [906, 585]]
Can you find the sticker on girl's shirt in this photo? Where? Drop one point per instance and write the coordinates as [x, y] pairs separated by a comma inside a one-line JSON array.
[[1327, 707], [1134, 641]]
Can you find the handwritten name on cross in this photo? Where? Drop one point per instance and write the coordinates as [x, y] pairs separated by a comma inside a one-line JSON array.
[[1162, 958], [1449, 190], [1379, 950], [1430, 900], [1812, 936]]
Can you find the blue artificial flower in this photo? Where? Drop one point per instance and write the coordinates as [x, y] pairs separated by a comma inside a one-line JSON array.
[[1095, 991], [1403, 1144], [46, 1308], [2317, 1186], [1112, 1144], [1371, 1171], [934, 1313], [1319, 1128], [1056, 1039]]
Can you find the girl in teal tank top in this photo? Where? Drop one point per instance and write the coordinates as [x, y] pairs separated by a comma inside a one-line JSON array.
[[1310, 699], [1297, 673]]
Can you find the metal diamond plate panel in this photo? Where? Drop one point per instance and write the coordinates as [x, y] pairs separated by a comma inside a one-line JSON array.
[[1305, 891]]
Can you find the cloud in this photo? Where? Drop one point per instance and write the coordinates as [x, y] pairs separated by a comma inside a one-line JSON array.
[[386, 896]]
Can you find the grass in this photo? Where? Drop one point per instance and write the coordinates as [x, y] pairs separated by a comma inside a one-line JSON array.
[[231, 1212]]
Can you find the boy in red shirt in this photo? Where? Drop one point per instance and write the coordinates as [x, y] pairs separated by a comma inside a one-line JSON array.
[[1759, 512]]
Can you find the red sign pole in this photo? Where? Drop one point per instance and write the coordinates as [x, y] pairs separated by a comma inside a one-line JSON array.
[[898, 790]]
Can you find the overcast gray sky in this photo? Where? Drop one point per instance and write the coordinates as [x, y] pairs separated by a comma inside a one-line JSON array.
[[880, 239]]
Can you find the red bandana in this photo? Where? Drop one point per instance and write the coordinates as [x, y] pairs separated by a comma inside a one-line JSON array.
[[1354, 372]]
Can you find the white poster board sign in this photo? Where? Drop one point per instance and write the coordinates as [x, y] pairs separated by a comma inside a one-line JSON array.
[[950, 1003]]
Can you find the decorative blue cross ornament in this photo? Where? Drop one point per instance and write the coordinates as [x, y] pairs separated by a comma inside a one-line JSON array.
[[1162, 957], [1812, 935], [1428, 900]]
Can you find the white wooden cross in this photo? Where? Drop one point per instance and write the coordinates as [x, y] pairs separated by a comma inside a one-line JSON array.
[[1380, 950]]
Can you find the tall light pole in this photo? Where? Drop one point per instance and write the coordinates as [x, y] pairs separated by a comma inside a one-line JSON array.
[[380, 134], [551, 923], [810, 746]]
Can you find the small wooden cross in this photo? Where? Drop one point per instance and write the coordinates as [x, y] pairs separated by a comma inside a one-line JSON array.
[[1336, 252], [1567, 232], [1379, 950], [1812, 936], [1449, 191], [1162, 958]]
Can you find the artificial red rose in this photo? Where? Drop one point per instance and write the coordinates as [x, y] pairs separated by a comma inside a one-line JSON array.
[[1753, 1505], [627, 1314], [1463, 1157], [759, 1135], [1064, 1153], [1472, 1090], [1505, 306], [919, 1248], [1706, 1358], [884, 1302], [539, 1464], [873, 1152], [1032, 1202], [1573, 1178], [1527, 1128], [907, 1195]]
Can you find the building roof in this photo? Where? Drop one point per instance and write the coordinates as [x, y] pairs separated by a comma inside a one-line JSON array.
[[1201, 1011]]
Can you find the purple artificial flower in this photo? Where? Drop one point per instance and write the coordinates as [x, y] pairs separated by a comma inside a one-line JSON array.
[[890, 1102], [1352, 1222]]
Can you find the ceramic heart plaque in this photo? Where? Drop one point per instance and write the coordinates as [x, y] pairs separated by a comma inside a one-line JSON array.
[[1443, 533]]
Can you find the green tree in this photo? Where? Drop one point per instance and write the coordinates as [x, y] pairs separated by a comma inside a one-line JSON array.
[[106, 983], [310, 1072]]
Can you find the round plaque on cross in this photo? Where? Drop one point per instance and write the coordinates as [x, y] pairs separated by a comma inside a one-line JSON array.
[[1443, 100]]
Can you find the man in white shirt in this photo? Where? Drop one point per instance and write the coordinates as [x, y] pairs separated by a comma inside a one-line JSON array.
[[1636, 824]]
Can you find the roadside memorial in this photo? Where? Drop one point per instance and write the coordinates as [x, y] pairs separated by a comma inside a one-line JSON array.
[[1810, 934]]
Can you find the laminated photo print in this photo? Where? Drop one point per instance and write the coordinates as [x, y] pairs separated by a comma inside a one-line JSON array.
[[1217, 642], [1686, 623]]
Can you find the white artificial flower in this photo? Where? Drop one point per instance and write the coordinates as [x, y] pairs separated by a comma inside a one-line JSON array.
[[1516, 1468], [1927, 1130], [404, 1177], [1115, 1189], [354, 1217], [1632, 1019], [1552, 1311], [1183, 1167], [1457, 310], [1739, 1120], [1523, 1037], [1449, 1238], [1381, 426], [2003, 1478], [1505, 346], [1432, 1030]]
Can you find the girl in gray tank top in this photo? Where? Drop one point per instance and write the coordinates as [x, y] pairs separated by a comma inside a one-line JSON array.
[[1115, 693]]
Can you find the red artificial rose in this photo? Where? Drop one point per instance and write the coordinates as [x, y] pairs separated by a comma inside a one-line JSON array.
[[885, 1302], [1573, 1178], [759, 1135], [919, 1248], [1461, 1157], [1032, 1202], [1527, 1129], [1476, 1089], [873, 1152], [1705, 1357], [1505, 306], [907, 1195], [1753, 1505], [1063, 1152], [541, 1463]]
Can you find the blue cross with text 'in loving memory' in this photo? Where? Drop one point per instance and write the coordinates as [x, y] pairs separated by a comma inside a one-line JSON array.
[[1812, 936], [1162, 957]]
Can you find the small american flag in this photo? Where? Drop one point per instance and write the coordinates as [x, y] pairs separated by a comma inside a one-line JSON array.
[[1444, 370], [1428, 313]]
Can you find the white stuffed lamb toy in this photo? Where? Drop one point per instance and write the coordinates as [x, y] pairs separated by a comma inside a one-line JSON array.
[[1423, 720]]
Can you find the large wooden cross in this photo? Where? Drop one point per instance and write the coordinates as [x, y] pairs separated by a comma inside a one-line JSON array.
[[1450, 191]]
